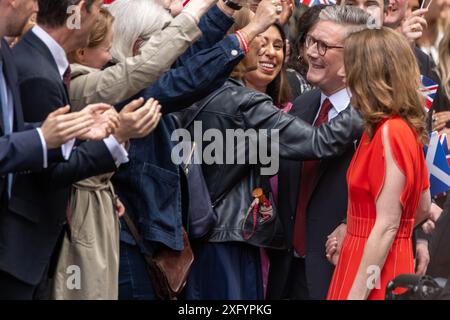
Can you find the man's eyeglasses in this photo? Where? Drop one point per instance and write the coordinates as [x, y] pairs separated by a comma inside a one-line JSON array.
[[322, 47]]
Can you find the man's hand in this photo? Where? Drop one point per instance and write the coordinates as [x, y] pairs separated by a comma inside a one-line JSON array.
[[137, 121], [430, 224], [413, 26], [61, 126], [422, 257], [106, 121], [334, 243]]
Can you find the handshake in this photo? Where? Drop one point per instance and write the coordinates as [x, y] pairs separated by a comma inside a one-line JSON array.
[[98, 121]]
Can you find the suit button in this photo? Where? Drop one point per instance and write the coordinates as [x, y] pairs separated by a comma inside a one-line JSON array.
[[292, 218]]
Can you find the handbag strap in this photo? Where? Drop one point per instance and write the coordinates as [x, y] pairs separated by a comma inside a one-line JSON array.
[[132, 227], [203, 105], [137, 237]]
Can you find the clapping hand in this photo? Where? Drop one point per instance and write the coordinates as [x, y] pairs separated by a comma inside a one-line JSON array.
[[138, 120], [106, 121]]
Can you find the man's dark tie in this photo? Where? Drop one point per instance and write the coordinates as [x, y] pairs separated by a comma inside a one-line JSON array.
[[310, 171], [67, 76]]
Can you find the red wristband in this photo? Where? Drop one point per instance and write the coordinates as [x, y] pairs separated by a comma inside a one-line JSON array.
[[243, 41]]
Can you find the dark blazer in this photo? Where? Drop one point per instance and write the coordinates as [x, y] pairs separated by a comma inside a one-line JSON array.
[[37, 209], [326, 209], [21, 150]]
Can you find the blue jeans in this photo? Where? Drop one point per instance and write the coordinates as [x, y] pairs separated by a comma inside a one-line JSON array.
[[134, 281]]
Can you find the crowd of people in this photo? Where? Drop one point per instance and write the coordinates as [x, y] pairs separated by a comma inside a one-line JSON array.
[[93, 92]]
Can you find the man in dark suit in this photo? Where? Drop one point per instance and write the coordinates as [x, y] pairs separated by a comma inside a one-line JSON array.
[[313, 194], [22, 146], [36, 215]]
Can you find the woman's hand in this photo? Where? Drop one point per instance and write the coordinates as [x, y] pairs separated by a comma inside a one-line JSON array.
[[414, 25], [334, 243], [120, 208], [197, 8], [265, 16], [288, 9], [440, 120]]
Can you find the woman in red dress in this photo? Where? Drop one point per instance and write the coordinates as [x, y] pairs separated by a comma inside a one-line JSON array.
[[387, 178]]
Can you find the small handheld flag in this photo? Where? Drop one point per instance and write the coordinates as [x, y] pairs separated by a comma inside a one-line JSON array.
[[428, 90], [438, 168], [311, 3]]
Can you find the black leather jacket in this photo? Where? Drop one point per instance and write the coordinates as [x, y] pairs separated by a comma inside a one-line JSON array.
[[239, 107]]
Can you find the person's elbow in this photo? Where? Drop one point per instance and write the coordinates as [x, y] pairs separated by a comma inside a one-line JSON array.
[[424, 208], [387, 228]]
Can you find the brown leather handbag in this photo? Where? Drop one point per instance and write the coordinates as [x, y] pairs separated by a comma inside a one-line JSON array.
[[168, 269]]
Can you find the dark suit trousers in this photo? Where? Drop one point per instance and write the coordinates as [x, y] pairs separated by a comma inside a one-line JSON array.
[[297, 285], [12, 288]]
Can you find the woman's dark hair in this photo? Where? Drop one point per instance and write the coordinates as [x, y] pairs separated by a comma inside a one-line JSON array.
[[279, 89], [304, 24]]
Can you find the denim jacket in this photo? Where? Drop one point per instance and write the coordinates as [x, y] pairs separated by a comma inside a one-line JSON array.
[[150, 184], [149, 187]]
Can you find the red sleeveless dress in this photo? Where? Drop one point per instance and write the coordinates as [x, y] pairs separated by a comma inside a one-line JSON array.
[[365, 178]]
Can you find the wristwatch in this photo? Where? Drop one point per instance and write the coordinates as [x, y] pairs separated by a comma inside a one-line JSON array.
[[233, 5]]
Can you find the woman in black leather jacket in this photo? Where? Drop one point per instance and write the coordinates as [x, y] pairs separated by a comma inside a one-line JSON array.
[[227, 263]]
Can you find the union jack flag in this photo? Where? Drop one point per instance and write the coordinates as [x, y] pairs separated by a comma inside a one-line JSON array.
[[443, 140], [428, 90], [311, 3], [438, 169]]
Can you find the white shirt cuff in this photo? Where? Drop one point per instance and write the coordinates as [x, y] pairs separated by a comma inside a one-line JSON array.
[[118, 152], [44, 148], [67, 148]]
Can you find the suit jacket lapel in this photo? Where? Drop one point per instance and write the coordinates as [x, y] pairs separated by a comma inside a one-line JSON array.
[[306, 111], [42, 48], [323, 167]]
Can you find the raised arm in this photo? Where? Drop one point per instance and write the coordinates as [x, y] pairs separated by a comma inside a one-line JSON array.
[[298, 140], [214, 26], [123, 80]]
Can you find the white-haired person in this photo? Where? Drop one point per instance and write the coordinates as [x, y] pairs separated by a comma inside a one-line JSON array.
[[162, 41]]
